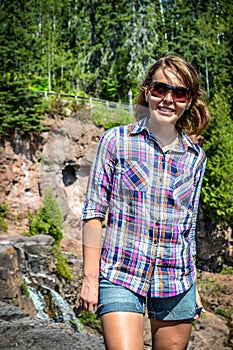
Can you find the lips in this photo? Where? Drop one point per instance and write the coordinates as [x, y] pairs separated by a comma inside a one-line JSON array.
[[166, 109]]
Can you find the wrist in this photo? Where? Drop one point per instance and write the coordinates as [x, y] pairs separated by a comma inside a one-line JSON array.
[[91, 275]]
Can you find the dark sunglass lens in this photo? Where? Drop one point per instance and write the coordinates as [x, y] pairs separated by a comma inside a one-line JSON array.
[[180, 93], [159, 89]]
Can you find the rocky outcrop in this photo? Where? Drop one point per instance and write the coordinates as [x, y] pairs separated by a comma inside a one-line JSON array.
[[28, 262], [214, 245], [20, 331]]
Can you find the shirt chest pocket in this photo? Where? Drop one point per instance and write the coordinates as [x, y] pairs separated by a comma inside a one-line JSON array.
[[184, 187], [133, 175]]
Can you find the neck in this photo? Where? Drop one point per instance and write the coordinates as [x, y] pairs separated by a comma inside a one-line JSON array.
[[166, 133]]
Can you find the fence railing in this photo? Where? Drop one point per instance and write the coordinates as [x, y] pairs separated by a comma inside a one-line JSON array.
[[91, 101]]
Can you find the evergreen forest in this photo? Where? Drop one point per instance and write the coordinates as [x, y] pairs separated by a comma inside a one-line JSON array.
[[103, 49]]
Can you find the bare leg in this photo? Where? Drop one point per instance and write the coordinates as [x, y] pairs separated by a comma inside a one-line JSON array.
[[170, 335], [123, 331]]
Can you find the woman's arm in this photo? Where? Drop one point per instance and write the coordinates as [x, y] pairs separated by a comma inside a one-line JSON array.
[[91, 256]]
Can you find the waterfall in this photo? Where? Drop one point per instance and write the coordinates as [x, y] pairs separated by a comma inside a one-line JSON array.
[[50, 305], [38, 301]]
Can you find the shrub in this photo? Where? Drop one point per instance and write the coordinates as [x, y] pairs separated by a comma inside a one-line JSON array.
[[91, 320], [49, 220], [24, 289], [4, 210], [62, 267], [227, 270], [4, 213], [217, 194], [52, 209], [109, 118]]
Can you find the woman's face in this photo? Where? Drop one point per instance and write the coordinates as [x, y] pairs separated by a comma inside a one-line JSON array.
[[167, 108]]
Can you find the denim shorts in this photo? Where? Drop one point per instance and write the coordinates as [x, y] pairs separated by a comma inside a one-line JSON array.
[[114, 298]]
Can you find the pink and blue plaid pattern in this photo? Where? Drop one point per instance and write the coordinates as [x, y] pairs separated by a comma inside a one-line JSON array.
[[152, 201]]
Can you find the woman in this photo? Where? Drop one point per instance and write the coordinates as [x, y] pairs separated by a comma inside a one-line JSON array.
[[148, 177]]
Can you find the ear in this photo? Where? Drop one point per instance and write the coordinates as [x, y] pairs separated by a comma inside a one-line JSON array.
[[146, 96], [188, 105]]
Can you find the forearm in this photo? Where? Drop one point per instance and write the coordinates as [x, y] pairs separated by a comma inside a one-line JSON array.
[[90, 261], [92, 230], [91, 257]]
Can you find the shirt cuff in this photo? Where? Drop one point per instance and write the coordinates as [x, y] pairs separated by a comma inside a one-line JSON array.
[[93, 210]]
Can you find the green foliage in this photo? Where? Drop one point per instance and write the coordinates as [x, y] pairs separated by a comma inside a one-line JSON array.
[[3, 225], [4, 214], [91, 320], [24, 289], [4, 210], [226, 270], [52, 209], [41, 223], [62, 267], [109, 118], [21, 110], [58, 105], [225, 312], [49, 220], [217, 194], [70, 51]]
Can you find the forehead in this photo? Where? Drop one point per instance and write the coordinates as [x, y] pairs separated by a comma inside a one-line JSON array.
[[169, 76]]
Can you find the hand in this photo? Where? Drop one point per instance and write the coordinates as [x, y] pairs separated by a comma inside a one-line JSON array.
[[198, 304], [89, 294]]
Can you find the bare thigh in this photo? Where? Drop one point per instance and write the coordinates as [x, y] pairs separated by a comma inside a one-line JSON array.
[[123, 330], [170, 335]]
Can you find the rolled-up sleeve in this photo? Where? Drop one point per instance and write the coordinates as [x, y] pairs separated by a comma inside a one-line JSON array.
[[100, 178], [197, 191]]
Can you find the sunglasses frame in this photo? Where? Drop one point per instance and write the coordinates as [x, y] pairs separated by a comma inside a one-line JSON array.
[[173, 90]]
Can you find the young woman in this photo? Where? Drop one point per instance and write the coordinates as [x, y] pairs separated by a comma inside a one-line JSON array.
[[147, 176]]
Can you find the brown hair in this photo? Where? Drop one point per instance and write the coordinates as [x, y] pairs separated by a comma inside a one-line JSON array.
[[197, 117]]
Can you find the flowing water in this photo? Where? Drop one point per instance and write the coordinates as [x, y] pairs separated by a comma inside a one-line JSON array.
[[50, 305]]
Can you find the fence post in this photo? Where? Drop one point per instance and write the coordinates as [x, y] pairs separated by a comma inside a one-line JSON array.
[[90, 101], [130, 95]]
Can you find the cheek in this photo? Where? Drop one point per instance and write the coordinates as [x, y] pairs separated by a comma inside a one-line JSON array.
[[153, 104], [180, 111]]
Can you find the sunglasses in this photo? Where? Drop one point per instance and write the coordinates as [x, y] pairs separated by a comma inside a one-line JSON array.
[[179, 93]]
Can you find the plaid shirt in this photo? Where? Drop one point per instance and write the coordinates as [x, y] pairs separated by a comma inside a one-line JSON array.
[[152, 201]]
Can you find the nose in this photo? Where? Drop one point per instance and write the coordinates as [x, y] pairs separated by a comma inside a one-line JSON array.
[[168, 97]]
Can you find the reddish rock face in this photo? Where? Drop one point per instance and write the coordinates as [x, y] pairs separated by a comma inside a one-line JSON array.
[[60, 161]]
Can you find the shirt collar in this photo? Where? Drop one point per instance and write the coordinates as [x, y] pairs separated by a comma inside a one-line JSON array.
[[185, 142]]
